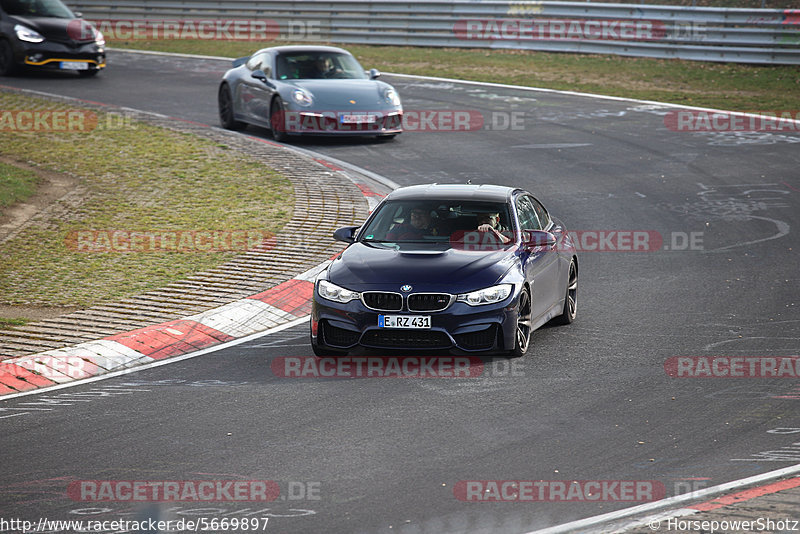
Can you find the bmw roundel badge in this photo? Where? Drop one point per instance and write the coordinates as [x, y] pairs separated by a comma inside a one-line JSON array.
[[405, 288]]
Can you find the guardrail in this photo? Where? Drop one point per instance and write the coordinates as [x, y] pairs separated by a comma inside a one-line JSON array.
[[770, 36]]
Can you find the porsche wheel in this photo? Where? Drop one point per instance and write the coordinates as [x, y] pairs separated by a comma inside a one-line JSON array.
[[277, 120], [226, 116]]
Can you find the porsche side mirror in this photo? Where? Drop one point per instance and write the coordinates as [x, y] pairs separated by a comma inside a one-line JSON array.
[[346, 234], [259, 75], [374, 73]]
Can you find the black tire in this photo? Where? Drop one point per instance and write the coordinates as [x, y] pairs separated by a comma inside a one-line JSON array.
[[522, 333], [7, 65], [225, 105], [277, 121], [571, 299], [88, 73]]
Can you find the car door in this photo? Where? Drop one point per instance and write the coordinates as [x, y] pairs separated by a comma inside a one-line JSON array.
[[540, 264], [560, 233], [256, 95]]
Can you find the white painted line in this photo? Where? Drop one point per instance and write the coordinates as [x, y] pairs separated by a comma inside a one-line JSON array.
[[583, 95], [172, 54], [349, 166], [678, 499], [159, 363]]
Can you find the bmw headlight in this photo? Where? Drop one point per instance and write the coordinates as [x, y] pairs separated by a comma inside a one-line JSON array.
[[391, 97], [330, 291], [489, 295], [302, 97], [28, 35]]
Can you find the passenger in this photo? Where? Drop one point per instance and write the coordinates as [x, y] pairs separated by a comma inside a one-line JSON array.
[[490, 222]]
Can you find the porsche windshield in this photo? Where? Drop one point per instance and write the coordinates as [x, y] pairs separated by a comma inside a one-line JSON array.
[[444, 222], [37, 8], [318, 65]]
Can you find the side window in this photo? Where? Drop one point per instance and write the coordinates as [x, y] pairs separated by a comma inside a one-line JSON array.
[[544, 218], [527, 214], [252, 63], [260, 62]]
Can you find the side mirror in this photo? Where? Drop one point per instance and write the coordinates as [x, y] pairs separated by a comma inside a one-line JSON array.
[[538, 238], [78, 14], [259, 75], [374, 73], [346, 234]]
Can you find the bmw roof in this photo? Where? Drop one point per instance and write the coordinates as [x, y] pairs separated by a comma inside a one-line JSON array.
[[453, 192]]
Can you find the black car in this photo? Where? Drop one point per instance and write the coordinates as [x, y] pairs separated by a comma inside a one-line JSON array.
[[46, 34], [465, 267]]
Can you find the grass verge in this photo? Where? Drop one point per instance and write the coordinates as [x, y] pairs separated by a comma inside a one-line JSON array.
[[717, 85], [133, 177], [16, 185]]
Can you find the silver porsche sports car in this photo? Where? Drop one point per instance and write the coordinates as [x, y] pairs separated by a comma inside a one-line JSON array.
[[308, 90]]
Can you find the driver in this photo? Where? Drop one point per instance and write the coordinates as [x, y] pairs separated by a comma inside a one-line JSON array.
[[418, 225], [324, 66]]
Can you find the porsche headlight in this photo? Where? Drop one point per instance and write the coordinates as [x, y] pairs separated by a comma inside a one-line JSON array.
[[391, 97], [28, 35], [489, 295], [330, 291], [100, 39], [302, 97]]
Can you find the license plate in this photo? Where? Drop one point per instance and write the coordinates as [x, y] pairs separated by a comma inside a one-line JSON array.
[[351, 118], [404, 321], [74, 65]]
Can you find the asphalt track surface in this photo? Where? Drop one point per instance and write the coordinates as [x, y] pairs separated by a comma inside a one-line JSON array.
[[590, 401]]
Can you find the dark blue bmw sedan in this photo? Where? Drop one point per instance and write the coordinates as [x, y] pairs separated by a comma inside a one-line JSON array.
[[443, 266]]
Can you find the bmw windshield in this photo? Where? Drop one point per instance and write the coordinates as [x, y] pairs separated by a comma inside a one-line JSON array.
[[442, 223]]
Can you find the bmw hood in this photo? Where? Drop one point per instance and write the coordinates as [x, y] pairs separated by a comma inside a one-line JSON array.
[[364, 267], [341, 95]]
